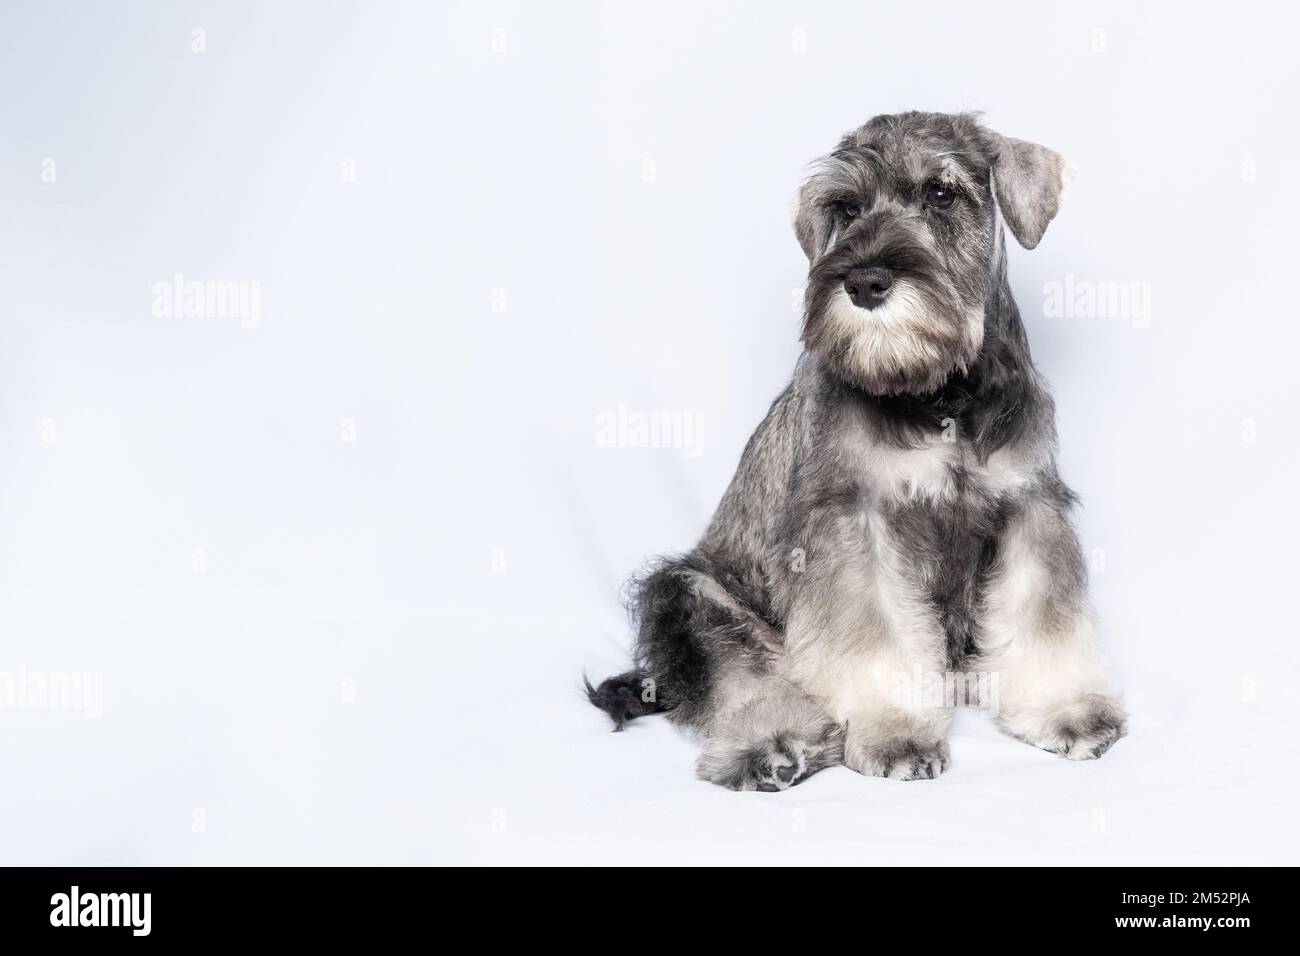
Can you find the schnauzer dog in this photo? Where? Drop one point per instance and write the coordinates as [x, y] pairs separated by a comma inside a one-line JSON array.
[[898, 512]]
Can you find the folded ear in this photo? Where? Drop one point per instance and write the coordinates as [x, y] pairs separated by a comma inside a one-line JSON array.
[[1027, 183], [811, 224]]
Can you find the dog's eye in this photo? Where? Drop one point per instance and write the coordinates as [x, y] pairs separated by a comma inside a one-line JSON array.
[[939, 196], [848, 210]]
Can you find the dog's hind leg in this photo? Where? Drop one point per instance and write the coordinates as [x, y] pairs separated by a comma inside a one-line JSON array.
[[711, 662], [690, 631], [767, 735]]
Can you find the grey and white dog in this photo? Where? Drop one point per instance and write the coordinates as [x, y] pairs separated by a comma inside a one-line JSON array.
[[898, 512]]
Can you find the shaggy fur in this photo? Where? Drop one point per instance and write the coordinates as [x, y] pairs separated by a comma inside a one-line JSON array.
[[898, 512]]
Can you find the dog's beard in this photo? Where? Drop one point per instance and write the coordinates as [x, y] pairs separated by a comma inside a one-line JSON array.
[[910, 343]]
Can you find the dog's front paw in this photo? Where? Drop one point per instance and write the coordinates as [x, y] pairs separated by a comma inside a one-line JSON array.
[[1082, 730], [897, 757], [777, 763]]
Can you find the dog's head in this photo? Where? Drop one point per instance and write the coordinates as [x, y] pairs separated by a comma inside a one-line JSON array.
[[900, 226]]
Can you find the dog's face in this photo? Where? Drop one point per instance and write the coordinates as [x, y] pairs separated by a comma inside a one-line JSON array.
[[900, 226]]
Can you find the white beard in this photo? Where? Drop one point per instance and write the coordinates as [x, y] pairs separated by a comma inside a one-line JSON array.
[[897, 338]]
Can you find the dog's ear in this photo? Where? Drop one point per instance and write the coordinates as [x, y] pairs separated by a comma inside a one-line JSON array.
[[810, 226], [1028, 180]]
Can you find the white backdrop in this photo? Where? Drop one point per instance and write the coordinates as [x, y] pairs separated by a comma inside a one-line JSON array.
[[334, 561]]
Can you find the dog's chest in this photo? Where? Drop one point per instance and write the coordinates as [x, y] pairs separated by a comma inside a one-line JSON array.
[[938, 511], [943, 473]]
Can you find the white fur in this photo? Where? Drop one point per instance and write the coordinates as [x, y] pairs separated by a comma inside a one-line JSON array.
[[926, 473], [1069, 172], [909, 474], [890, 336], [1049, 666], [896, 336], [1008, 471], [852, 664]]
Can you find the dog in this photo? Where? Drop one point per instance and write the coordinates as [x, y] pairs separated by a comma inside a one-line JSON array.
[[898, 512]]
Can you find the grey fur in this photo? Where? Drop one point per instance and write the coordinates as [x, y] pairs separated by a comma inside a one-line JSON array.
[[1027, 181], [899, 507]]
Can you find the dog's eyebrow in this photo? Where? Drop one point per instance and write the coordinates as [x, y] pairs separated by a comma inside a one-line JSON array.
[[850, 167], [950, 169]]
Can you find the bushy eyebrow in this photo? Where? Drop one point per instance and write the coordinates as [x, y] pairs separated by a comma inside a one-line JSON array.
[[948, 169], [849, 171], [856, 169]]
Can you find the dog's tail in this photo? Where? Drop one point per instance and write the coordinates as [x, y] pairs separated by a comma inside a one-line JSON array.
[[625, 697]]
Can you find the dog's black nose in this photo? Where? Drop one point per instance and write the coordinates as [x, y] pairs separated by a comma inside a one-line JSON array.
[[785, 774], [868, 287]]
